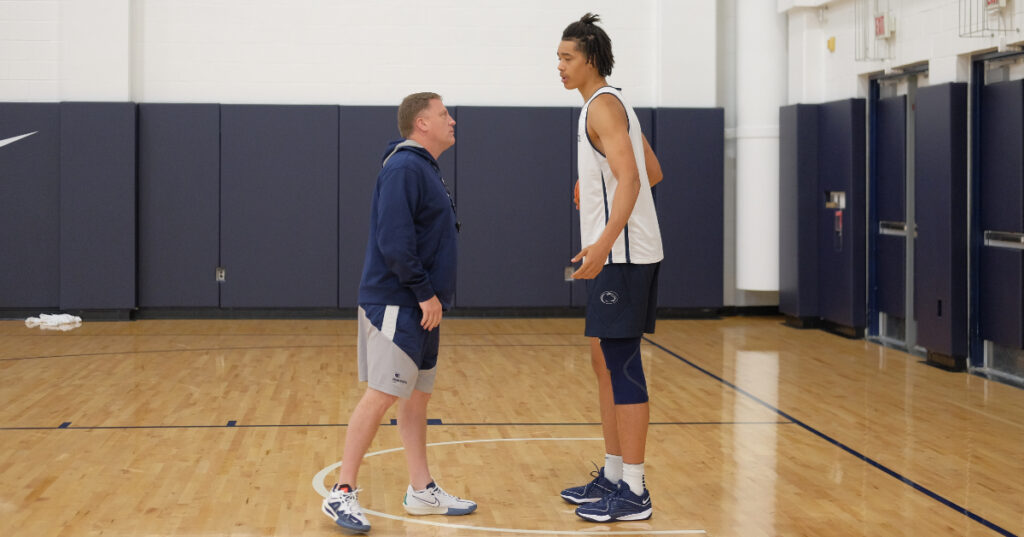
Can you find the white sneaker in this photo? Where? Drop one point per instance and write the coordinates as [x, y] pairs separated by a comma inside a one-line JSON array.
[[433, 500], [342, 505]]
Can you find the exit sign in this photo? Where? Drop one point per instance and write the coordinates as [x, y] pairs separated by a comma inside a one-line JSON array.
[[883, 25]]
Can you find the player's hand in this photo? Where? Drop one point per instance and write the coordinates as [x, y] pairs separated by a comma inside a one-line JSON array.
[[593, 257], [432, 312], [576, 194]]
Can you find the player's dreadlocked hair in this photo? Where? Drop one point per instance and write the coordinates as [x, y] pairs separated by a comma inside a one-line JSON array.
[[592, 41]]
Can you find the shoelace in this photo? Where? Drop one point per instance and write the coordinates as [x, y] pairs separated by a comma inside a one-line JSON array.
[[441, 492], [347, 499]]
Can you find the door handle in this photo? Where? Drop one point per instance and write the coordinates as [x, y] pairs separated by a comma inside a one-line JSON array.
[[1010, 240]]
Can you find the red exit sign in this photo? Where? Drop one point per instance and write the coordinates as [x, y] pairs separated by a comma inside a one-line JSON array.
[[883, 25]]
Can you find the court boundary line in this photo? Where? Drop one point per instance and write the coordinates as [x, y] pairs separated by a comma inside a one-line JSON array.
[[319, 488], [892, 473]]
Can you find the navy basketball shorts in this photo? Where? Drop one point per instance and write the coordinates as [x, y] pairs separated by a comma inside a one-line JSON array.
[[621, 301], [396, 355]]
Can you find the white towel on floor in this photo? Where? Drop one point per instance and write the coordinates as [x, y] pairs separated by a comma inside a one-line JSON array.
[[59, 321]]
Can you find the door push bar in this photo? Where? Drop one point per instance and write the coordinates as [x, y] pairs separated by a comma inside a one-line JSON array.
[[1005, 239], [898, 229]]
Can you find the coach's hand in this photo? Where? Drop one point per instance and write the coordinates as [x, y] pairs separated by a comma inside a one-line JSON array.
[[431, 313], [593, 257]]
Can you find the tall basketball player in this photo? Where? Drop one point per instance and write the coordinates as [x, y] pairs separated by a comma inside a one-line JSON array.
[[620, 259]]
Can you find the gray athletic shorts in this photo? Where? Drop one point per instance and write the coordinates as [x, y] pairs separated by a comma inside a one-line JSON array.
[[396, 355]]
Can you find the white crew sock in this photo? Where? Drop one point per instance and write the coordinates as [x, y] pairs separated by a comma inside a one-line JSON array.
[[633, 475], [613, 467]]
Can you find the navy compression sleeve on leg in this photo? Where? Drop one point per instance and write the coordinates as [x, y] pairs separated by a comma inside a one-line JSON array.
[[622, 357]]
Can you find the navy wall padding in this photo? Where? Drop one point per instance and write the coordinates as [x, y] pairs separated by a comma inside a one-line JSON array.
[[364, 133], [1001, 206], [279, 206], [798, 210], [940, 201], [646, 118], [30, 198], [690, 146], [97, 205], [118, 205], [179, 205], [841, 167], [514, 170], [890, 205]]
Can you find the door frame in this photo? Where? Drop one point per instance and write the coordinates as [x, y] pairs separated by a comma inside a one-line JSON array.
[[875, 331], [975, 240]]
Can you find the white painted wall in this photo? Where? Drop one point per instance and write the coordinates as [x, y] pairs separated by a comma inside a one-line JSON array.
[[482, 52], [925, 31], [30, 50], [687, 59], [95, 50]]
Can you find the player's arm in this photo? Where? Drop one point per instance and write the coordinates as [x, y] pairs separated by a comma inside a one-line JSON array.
[[654, 175], [611, 127]]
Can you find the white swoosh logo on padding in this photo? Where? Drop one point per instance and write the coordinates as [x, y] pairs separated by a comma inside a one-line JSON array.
[[15, 139]]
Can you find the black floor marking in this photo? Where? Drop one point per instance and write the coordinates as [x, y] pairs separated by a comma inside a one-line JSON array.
[[225, 349], [431, 421]]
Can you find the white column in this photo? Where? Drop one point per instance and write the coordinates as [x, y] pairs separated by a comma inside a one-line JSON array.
[[761, 75], [95, 50]]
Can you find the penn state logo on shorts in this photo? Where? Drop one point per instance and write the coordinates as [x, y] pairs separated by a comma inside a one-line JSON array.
[[609, 297], [398, 379]]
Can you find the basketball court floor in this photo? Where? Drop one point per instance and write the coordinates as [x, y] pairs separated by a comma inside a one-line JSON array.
[[235, 428]]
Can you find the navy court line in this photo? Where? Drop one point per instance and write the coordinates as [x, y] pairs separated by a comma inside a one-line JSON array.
[[541, 424], [162, 351], [920, 488], [227, 349]]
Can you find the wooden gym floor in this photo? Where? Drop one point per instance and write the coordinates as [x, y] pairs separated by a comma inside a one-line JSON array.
[[209, 428]]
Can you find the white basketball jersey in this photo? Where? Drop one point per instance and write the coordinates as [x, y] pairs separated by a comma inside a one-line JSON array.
[[640, 241]]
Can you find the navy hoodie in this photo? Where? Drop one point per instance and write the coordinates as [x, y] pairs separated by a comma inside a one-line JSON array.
[[412, 248]]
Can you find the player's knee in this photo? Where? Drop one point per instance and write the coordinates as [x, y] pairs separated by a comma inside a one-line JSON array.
[[377, 400], [622, 358]]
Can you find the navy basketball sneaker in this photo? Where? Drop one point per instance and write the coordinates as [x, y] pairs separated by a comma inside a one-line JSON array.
[[598, 488], [619, 505]]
